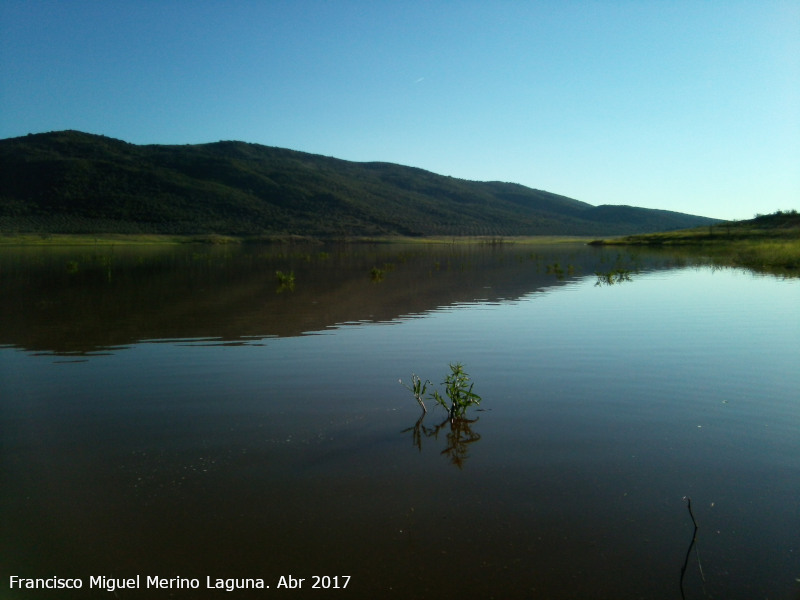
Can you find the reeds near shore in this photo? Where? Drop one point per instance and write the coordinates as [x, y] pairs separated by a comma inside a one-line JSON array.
[[761, 254], [766, 243]]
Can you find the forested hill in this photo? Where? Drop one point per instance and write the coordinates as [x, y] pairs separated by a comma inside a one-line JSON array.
[[73, 182]]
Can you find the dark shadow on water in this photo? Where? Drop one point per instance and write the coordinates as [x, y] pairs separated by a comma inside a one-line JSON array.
[[458, 437]]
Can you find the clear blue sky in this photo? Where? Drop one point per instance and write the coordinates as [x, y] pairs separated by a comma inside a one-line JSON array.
[[691, 106]]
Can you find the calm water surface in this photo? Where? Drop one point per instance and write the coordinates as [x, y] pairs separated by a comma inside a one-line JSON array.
[[180, 413]]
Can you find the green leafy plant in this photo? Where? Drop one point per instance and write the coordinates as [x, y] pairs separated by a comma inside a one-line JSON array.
[[613, 277], [376, 274], [418, 388], [285, 281], [457, 389], [457, 399]]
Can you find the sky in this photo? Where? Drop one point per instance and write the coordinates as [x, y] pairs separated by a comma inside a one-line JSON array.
[[691, 106]]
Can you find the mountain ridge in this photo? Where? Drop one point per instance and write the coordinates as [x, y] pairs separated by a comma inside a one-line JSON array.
[[76, 182]]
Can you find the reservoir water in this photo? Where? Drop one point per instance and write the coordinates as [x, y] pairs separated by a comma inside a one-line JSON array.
[[187, 413]]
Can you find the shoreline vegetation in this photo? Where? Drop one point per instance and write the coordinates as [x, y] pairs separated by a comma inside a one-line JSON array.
[[765, 243], [122, 239]]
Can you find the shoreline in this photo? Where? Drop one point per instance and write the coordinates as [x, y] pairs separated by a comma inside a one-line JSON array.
[[112, 239]]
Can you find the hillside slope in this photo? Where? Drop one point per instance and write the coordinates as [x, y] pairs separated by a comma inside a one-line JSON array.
[[74, 182]]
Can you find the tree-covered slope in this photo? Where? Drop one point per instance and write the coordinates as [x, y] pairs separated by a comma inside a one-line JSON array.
[[73, 182]]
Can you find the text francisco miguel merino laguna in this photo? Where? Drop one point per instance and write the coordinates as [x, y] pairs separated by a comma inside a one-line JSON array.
[[165, 583]]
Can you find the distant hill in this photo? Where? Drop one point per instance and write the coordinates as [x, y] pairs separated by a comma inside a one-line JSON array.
[[74, 182]]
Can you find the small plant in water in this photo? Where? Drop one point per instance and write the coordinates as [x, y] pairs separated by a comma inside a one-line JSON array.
[[72, 267], [418, 388], [376, 274], [613, 277], [285, 281], [457, 388]]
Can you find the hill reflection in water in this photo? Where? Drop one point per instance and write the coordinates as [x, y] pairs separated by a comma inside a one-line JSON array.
[[81, 300]]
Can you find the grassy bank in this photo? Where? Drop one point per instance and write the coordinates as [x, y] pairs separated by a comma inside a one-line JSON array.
[[766, 243], [110, 239]]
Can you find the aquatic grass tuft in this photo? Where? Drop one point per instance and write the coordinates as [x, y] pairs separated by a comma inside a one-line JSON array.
[[613, 277], [418, 388], [767, 243], [285, 281], [376, 274], [457, 387]]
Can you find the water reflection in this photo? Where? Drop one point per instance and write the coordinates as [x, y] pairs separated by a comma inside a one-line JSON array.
[[83, 300], [225, 446], [459, 435]]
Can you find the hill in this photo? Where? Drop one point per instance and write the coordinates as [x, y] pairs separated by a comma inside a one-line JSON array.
[[74, 182]]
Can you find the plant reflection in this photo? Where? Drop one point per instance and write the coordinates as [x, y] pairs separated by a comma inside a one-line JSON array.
[[458, 436]]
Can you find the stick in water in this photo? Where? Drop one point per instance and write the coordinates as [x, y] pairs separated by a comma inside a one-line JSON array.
[[691, 514], [693, 545]]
